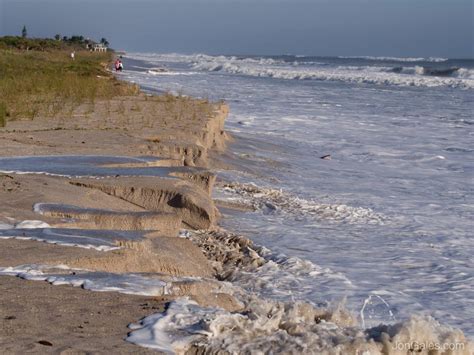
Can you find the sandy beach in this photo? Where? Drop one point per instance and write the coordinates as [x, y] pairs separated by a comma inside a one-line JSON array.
[[40, 318], [110, 243], [179, 132], [236, 177]]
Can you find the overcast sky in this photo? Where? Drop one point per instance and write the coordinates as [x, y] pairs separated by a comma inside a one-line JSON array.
[[441, 28]]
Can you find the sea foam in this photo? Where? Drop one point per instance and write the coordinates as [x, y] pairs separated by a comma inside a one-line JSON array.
[[276, 200], [275, 327]]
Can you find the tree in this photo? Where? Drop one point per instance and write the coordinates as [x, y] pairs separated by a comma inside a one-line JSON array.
[[104, 42], [24, 33], [76, 39], [57, 37]]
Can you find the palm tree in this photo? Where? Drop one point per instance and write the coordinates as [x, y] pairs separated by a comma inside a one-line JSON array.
[[104, 42]]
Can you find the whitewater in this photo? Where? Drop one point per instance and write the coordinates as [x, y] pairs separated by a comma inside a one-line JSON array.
[[383, 224]]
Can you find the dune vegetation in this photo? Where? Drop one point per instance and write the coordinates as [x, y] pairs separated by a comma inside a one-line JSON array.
[[39, 77]]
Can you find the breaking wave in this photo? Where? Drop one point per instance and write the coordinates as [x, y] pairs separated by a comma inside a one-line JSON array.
[[420, 73], [398, 59], [419, 76], [454, 72]]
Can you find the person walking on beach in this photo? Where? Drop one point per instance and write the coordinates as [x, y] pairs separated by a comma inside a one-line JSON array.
[[118, 65]]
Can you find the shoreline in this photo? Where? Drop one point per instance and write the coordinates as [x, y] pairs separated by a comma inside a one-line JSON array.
[[213, 256]]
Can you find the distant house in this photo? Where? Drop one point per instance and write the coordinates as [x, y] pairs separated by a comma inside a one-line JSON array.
[[95, 47], [99, 47]]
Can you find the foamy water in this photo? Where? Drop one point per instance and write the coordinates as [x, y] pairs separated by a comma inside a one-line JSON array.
[[101, 240], [389, 217], [132, 284]]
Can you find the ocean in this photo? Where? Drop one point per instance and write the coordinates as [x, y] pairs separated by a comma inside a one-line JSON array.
[[359, 171]]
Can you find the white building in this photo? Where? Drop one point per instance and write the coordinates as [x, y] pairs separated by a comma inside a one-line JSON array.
[[95, 47], [99, 47]]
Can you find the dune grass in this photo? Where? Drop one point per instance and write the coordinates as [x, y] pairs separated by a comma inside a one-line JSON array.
[[34, 83], [3, 114]]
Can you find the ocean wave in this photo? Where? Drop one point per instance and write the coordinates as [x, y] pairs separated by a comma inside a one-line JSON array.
[[397, 59], [421, 76], [193, 58], [157, 71], [316, 69], [454, 72]]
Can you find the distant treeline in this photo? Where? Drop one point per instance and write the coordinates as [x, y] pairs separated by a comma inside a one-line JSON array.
[[44, 44]]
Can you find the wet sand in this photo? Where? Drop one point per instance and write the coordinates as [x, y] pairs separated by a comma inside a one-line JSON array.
[[67, 320]]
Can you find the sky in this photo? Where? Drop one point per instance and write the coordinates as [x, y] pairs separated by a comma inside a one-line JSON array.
[[404, 28]]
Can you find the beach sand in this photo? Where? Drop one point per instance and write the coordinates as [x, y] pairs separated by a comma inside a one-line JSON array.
[[37, 317], [71, 320]]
